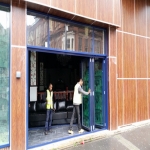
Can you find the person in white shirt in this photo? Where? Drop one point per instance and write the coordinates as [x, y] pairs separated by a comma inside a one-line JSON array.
[[77, 100]]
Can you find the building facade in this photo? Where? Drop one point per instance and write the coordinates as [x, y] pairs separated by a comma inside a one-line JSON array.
[[126, 24]]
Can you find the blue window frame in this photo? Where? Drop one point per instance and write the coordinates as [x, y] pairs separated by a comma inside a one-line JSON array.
[[4, 76], [52, 32]]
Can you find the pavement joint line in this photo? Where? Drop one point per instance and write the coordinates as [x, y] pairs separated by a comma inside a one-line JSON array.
[[126, 143]]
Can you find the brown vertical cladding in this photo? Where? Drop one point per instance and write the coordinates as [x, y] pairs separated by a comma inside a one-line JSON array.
[[148, 55], [142, 107], [18, 63], [129, 101], [129, 69], [105, 10], [68, 5], [86, 8], [120, 100], [128, 19], [140, 17], [119, 55], [113, 118], [141, 57], [117, 13], [45, 2], [148, 98]]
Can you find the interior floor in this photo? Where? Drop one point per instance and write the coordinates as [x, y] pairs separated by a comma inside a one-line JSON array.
[[36, 136]]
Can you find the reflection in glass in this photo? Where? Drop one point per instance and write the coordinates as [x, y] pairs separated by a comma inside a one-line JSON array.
[[85, 102], [57, 35], [98, 93], [37, 27], [99, 41], [4, 75], [81, 38]]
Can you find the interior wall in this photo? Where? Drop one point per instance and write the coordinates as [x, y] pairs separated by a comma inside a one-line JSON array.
[[133, 62]]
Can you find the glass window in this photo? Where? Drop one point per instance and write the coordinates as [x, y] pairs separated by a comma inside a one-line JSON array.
[[68, 43], [63, 35], [81, 37], [37, 27], [4, 75], [57, 34], [99, 41]]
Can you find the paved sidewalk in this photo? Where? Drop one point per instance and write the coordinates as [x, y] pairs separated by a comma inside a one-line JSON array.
[[134, 139]]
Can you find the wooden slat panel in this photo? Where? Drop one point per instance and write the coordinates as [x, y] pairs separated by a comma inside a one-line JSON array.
[[129, 69], [129, 101], [18, 99], [148, 18], [112, 37], [102, 14], [18, 20], [119, 55], [148, 50], [45, 2], [148, 98], [64, 4], [141, 57], [37, 7], [18, 63], [86, 8], [128, 16], [140, 17], [112, 94], [117, 12], [120, 101], [142, 107], [59, 13]]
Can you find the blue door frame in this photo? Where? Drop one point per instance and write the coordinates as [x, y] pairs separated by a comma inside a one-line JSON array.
[[73, 53], [91, 64]]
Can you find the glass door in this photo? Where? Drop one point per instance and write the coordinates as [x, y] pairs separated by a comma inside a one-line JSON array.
[[99, 90], [86, 107], [94, 105]]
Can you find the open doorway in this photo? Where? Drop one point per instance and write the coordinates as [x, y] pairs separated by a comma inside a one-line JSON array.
[[63, 71]]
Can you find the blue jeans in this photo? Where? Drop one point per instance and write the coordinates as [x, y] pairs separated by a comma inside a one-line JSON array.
[[48, 121]]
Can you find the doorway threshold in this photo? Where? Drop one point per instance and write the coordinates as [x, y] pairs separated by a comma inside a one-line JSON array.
[[59, 137]]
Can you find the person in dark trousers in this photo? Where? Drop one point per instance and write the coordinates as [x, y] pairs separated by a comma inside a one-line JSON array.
[[77, 100], [50, 108]]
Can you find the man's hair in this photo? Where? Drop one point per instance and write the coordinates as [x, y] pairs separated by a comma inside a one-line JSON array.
[[80, 79], [50, 84]]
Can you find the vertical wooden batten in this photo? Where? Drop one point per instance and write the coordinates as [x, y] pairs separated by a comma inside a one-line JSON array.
[[18, 63], [113, 103]]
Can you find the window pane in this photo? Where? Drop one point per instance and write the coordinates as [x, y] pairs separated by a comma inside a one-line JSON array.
[[57, 34], [37, 27], [4, 75], [81, 37], [99, 41]]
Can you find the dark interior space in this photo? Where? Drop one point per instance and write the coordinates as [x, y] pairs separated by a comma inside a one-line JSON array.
[[63, 71]]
